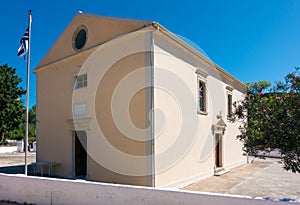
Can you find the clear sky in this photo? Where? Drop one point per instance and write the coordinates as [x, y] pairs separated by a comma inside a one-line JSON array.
[[251, 39]]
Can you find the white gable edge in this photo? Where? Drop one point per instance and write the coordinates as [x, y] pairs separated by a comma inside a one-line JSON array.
[[173, 39]]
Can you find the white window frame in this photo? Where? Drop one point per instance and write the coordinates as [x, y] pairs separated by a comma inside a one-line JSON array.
[[80, 81], [201, 77], [204, 97], [79, 109], [229, 110], [229, 107]]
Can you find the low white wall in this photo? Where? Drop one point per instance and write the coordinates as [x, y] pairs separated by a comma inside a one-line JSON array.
[[8, 149], [37, 190]]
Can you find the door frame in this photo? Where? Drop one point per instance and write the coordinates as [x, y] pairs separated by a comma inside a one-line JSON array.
[[73, 156], [219, 150]]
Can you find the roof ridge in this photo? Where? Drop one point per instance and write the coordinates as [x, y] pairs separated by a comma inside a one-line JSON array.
[[117, 19]]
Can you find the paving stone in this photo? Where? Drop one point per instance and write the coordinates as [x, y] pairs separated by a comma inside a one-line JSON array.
[[262, 178]]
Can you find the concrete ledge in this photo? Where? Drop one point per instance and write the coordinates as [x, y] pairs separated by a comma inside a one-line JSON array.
[[38, 190], [220, 173]]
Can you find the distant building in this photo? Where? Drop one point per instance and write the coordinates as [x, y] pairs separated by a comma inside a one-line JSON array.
[[126, 101]]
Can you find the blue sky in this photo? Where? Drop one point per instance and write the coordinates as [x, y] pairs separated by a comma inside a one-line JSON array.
[[251, 39]]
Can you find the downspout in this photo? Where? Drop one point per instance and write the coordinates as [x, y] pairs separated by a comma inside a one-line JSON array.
[[152, 109], [36, 124]]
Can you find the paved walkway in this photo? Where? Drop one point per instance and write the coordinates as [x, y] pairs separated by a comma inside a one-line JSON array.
[[262, 178]]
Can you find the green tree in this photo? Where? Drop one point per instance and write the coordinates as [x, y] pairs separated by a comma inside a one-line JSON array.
[[32, 115], [271, 119], [11, 107], [288, 120], [32, 123], [19, 132]]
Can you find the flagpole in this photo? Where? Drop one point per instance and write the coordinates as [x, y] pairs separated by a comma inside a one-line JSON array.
[[27, 89]]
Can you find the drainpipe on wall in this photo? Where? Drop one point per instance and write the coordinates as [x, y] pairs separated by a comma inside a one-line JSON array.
[[36, 123], [152, 109]]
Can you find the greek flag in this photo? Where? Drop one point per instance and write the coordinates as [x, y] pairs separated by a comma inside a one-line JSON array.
[[23, 49]]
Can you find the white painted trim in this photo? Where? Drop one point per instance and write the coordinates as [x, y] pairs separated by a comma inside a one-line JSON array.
[[201, 73], [199, 56], [229, 92], [204, 81], [229, 88]]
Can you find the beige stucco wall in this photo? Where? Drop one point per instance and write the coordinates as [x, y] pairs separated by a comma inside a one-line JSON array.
[[107, 67], [235, 154], [54, 108], [120, 142], [117, 111], [198, 160], [99, 30], [118, 101]]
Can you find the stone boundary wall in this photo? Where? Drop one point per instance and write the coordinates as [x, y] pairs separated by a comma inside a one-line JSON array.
[[38, 190], [8, 149]]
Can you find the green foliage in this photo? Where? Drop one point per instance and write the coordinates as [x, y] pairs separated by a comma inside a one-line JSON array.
[[19, 132], [11, 107], [3, 143], [32, 115], [32, 124], [271, 119]]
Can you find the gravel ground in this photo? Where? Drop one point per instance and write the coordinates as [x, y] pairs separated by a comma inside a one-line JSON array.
[[13, 163], [16, 158]]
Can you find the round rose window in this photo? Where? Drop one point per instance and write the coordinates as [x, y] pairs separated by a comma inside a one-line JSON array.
[[80, 38]]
